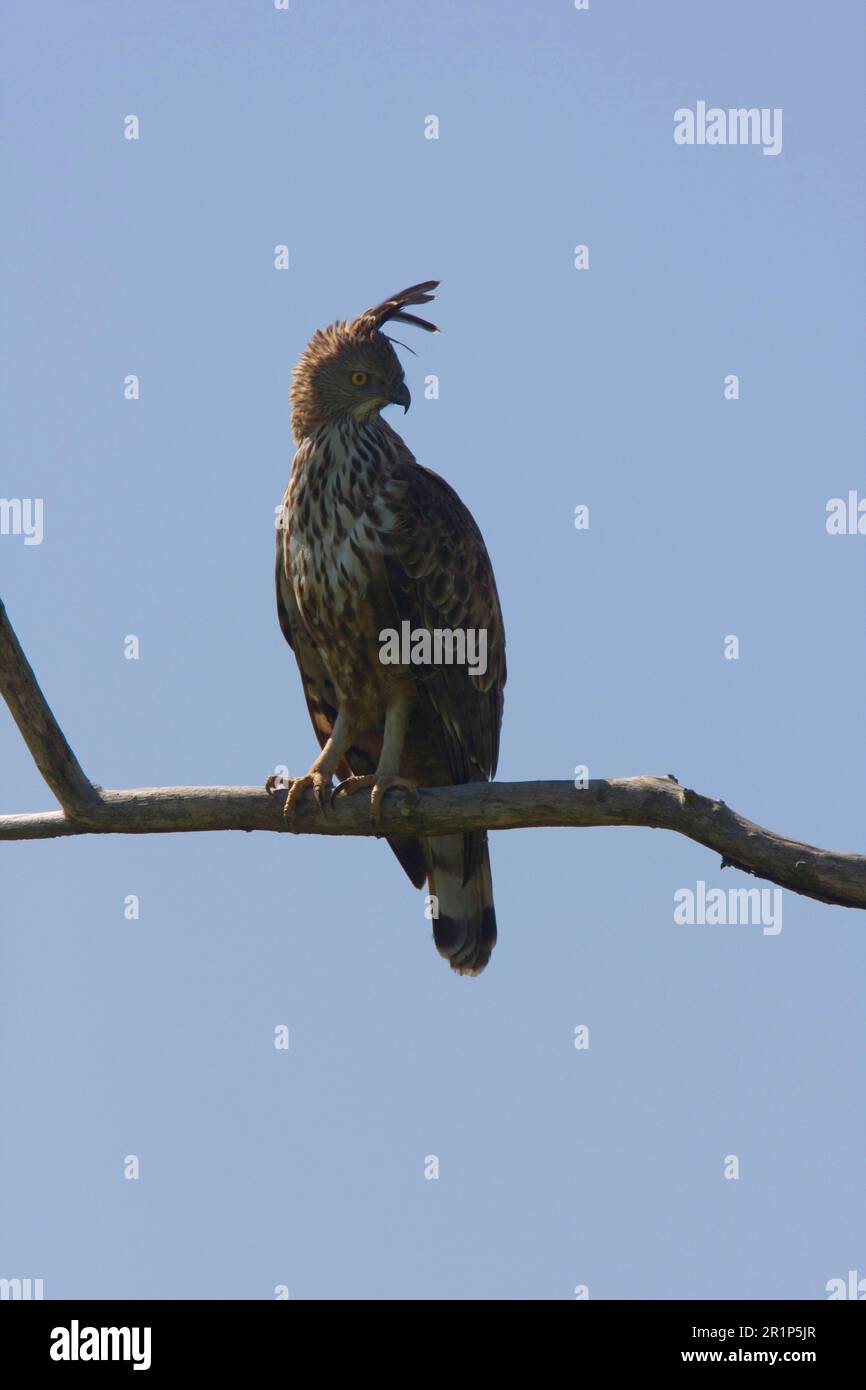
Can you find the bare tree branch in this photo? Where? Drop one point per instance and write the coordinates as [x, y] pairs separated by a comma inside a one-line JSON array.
[[39, 729], [656, 802]]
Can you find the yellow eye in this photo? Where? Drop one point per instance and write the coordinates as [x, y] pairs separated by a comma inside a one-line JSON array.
[[359, 378]]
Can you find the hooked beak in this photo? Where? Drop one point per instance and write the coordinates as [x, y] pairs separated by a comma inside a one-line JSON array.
[[401, 396]]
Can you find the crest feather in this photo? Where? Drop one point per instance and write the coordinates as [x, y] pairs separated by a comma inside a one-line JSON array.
[[392, 310]]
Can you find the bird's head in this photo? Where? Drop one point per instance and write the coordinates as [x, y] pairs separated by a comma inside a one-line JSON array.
[[351, 369]]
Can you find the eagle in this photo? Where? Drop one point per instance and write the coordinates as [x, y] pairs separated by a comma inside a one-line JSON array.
[[370, 543]]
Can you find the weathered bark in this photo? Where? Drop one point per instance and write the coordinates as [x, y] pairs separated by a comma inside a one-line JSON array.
[[656, 802]]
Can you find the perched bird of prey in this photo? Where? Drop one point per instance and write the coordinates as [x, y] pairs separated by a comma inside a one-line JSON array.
[[369, 541]]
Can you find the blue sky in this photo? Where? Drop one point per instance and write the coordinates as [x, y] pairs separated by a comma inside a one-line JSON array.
[[558, 1167]]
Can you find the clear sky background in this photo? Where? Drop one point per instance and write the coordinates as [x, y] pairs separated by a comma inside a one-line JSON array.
[[558, 1167]]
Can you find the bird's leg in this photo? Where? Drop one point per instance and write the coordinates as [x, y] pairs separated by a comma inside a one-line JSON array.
[[322, 771], [387, 776]]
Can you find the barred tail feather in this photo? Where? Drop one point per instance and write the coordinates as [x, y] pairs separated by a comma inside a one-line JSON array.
[[465, 929]]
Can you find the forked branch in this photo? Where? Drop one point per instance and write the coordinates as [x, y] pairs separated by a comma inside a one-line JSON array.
[[656, 802]]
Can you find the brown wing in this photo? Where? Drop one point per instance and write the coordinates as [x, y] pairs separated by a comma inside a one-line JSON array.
[[439, 576]]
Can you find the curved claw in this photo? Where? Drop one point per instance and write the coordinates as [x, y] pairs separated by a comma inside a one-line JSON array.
[[380, 788], [321, 788], [277, 782], [351, 785]]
